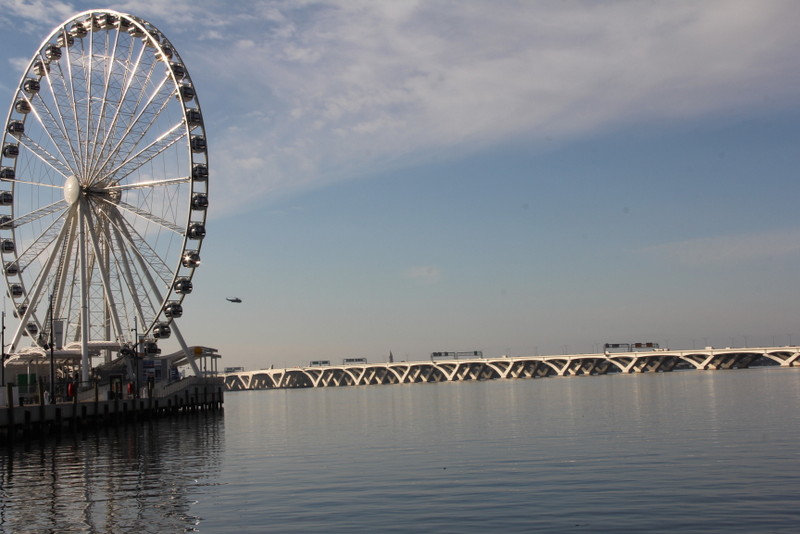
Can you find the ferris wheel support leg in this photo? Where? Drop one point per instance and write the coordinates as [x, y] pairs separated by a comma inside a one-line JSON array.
[[186, 351], [157, 292], [62, 287], [84, 299], [37, 292], [110, 305], [128, 276]]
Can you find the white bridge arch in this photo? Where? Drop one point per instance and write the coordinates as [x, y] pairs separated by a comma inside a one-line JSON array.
[[365, 374]]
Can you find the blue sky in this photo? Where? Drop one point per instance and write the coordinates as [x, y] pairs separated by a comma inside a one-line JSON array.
[[512, 177]]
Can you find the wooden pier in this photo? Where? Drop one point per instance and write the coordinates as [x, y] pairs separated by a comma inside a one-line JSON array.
[[40, 420]]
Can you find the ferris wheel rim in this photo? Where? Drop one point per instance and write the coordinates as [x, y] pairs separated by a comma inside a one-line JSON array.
[[92, 170]]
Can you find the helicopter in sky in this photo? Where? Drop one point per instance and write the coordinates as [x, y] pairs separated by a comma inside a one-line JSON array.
[[233, 299]]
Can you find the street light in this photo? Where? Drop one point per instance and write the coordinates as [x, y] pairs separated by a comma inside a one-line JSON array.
[[3, 346], [52, 359], [136, 355]]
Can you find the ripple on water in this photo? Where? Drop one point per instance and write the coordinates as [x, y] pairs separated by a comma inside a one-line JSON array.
[[669, 452]]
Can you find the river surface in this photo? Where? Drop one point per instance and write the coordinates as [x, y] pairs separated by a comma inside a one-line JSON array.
[[684, 451]]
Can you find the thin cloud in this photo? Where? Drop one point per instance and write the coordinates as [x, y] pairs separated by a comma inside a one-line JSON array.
[[299, 94], [19, 63], [36, 12], [426, 274], [355, 87], [730, 250]]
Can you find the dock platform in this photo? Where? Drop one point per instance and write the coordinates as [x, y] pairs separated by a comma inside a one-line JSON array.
[[87, 410]]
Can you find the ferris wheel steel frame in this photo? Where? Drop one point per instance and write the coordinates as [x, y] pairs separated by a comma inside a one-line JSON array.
[[103, 188]]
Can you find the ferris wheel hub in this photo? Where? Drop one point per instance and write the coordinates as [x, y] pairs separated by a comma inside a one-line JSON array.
[[72, 190]]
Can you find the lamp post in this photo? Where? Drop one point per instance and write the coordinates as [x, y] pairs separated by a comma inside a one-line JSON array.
[[136, 355], [52, 358], [3, 346]]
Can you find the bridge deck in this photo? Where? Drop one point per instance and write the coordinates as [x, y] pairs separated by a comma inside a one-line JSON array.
[[504, 367]]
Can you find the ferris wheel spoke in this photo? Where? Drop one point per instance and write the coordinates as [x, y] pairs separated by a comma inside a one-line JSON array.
[[94, 107], [38, 214], [141, 105], [88, 113], [55, 132], [146, 269], [98, 83], [41, 243], [104, 101], [152, 218], [138, 128], [166, 140], [139, 275], [29, 183], [140, 246], [37, 150], [73, 96], [66, 109], [111, 144], [149, 184]]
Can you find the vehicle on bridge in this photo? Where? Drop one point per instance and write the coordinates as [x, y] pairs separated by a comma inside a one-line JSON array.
[[456, 355], [354, 361], [319, 363], [630, 347]]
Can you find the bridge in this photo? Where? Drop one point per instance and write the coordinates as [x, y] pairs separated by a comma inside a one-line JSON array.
[[452, 370]]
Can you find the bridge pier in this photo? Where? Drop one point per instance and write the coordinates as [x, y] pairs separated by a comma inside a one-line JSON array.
[[786, 358]]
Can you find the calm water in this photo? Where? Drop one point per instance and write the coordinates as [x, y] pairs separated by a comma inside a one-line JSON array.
[[688, 451]]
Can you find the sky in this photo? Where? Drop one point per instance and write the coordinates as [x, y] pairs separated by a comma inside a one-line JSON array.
[[515, 177]]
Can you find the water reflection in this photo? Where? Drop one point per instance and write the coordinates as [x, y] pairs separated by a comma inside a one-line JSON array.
[[605, 454], [141, 478]]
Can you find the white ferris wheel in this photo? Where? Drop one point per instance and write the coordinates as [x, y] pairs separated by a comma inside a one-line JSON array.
[[103, 188]]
